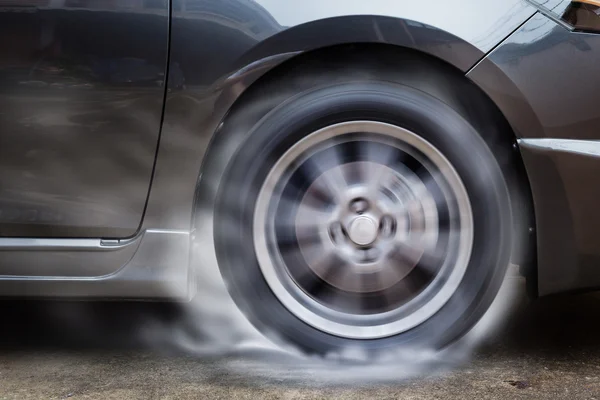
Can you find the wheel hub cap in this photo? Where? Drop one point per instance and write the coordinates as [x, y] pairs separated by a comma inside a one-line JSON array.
[[363, 231]]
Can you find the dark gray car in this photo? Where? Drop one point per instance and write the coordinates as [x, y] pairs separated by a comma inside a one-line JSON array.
[[363, 172]]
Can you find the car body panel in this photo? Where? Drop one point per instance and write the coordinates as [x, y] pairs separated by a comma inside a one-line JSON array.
[[250, 38], [246, 39], [545, 80], [219, 48], [81, 98]]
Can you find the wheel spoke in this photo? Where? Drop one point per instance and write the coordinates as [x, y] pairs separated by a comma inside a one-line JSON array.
[[324, 268], [417, 256], [333, 173], [324, 174], [290, 203], [391, 271], [343, 278], [388, 277], [380, 158], [424, 202], [310, 217], [287, 238], [416, 266], [333, 183], [304, 187], [351, 154], [379, 175], [345, 291]]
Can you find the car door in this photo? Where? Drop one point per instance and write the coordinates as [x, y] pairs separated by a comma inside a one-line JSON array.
[[81, 98]]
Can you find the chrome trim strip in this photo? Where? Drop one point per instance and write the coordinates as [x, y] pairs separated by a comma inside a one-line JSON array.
[[173, 232], [584, 147], [47, 244], [71, 244]]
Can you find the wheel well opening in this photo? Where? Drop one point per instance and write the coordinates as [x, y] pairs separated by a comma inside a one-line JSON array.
[[385, 62]]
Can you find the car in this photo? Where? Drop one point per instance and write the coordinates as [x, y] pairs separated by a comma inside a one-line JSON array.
[[362, 172]]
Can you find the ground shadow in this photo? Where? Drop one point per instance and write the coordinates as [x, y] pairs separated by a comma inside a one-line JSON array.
[[561, 325]]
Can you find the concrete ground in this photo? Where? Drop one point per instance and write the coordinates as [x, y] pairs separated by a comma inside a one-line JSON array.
[[547, 349]]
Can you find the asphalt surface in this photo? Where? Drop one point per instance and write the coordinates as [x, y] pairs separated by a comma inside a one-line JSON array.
[[546, 349]]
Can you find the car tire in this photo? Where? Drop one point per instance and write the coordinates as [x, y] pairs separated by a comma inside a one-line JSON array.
[[462, 220]]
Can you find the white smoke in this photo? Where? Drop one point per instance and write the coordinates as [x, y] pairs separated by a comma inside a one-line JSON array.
[[213, 326]]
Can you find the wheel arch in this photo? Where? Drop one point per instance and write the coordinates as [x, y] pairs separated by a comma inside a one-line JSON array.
[[374, 29]]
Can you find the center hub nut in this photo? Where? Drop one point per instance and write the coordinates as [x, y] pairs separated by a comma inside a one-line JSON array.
[[363, 230]]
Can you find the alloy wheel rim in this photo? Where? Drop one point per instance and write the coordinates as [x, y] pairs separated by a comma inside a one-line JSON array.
[[363, 229]]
